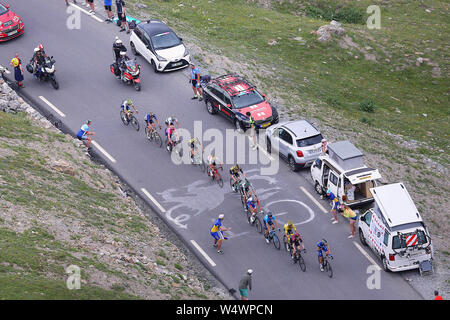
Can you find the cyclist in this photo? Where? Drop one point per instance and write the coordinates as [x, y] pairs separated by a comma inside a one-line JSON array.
[[213, 161], [322, 246], [126, 108], [216, 233], [172, 120], [297, 243], [169, 133], [269, 220], [194, 143], [234, 172], [84, 133], [150, 119], [289, 229], [245, 189]]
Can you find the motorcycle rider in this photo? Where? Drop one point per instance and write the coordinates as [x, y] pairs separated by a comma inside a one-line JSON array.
[[37, 61], [121, 62], [118, 47]]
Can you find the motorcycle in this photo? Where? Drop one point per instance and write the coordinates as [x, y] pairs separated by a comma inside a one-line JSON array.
[[47, 71], [130, 75]]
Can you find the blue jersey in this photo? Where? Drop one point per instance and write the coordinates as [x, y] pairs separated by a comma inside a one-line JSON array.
[[216, 226], [251, 203], [83, 131], [269, 220], [194, 73], [149, 118], [108, 2], [322, 247]]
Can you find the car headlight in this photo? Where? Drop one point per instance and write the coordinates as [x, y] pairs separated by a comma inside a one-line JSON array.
[[160, 58], [16, 18], [186, 52]]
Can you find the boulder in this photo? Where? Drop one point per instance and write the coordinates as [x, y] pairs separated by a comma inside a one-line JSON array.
[[63, 166]]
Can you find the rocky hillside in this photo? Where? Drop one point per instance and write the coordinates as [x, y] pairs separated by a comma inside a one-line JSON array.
[[58, 208]]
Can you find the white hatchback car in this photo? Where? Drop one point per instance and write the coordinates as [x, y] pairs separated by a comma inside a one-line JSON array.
[[159, 45]]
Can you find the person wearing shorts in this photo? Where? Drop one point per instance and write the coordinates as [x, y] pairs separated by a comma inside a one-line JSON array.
[[90, 3], [195, 80], [108, 10], [121, 15], [216, 233], [246, 282], [84, 133]]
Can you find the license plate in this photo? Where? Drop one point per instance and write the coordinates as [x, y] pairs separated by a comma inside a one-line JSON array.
[[265, 125], [12, 33], [177, 64]]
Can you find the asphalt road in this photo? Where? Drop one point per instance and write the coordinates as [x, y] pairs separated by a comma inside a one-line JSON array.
[[185, 197]]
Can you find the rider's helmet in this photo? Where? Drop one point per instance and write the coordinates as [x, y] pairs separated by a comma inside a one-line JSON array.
[[221, 216], [249, 271], [118, 41], [290, 224], [324, 241], [250, 199], [129, 102], [40, 47], [36, 49], [88, 121], [270, 214], [123, 53]]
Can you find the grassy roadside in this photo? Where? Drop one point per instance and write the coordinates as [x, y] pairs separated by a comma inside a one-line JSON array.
[[394, 108], [51, 219]]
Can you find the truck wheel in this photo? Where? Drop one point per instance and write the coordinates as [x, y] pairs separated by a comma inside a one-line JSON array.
[[384, 262], [318, 188], [361, 238]]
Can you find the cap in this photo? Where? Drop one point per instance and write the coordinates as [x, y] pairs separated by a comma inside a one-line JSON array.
[[324, 140], [328, 191]]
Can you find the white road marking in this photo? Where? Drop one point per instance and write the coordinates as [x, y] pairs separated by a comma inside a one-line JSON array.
[[314, 200], [86, 12], [104, 152], [366, 255], [195, 244], [153, 200], [280, 214], [52, 106]]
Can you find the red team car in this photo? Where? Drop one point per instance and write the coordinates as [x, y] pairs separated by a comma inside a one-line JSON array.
[[11, 25]]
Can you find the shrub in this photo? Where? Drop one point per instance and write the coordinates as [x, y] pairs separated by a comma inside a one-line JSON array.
[[367, 106], [321, 9]]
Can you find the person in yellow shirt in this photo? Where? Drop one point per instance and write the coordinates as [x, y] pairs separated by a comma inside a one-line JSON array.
[[352, 216], [18, 71], [289, 229]]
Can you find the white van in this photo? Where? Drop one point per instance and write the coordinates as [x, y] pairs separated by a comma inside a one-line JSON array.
[[394, 230], [343, 172]]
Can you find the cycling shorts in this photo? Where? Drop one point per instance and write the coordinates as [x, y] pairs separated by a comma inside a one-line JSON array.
[[217, 235]]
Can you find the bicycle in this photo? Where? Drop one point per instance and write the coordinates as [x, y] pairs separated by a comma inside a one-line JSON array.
[[153, 135], [215, 175], [235, 186], [298, 258], [129, 119], [327, 266], [173, 146], [254, 220], [272, 236]]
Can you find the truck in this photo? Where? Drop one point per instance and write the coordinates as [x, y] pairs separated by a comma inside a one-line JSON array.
[[341, 170]]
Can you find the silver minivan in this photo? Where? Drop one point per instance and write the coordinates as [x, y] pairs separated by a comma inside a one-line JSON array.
[[299, 142]]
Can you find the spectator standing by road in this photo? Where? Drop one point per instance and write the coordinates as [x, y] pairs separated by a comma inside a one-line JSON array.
[[84, 133], [216, 233], [122, 16], [246, 282], [334, 205], [195, 80], [437, 296], [352, 216], [324, 146], [18, 71], [90, 3], [108, 10], [251, 121]]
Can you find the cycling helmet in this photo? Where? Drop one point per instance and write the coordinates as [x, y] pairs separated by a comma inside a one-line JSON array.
[[221, 216], [290, 223], [324, 241], [88, 121], [249, 271], [36, 49], [118, 41], [129, 102], [270, 214], [41, 47]]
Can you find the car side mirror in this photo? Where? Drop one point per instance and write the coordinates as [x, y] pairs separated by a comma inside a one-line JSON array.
[[229, 106], [7, 6], [264, 95], [181, 39]]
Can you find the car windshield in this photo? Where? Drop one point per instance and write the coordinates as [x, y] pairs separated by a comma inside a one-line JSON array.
[[247, 99], [309, 141], [165, 40], [2, 9], [398, 243]]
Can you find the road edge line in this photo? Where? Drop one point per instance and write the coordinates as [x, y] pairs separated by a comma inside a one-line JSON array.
[[52, 106], [203, 253], [160, 207], [86, 12], [365, 254], [99, 147], [313, 200]]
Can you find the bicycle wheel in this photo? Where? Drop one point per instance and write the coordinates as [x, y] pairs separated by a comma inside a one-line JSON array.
[[148, 135], [134, 123], [157, 139], [219, 180], [286, 245], [258, 226], [276, 241], [233, 189], [301, 263], [329, 270], [124, 118]]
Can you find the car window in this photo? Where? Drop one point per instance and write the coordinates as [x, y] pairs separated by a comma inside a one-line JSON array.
[[285, 136], [368, 218], [217, 93], [386, 238], [226, 100], [145, 38], [2, 9], [165, 40], [246, 99], [309, 141], [333, 179], [138, 32]]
